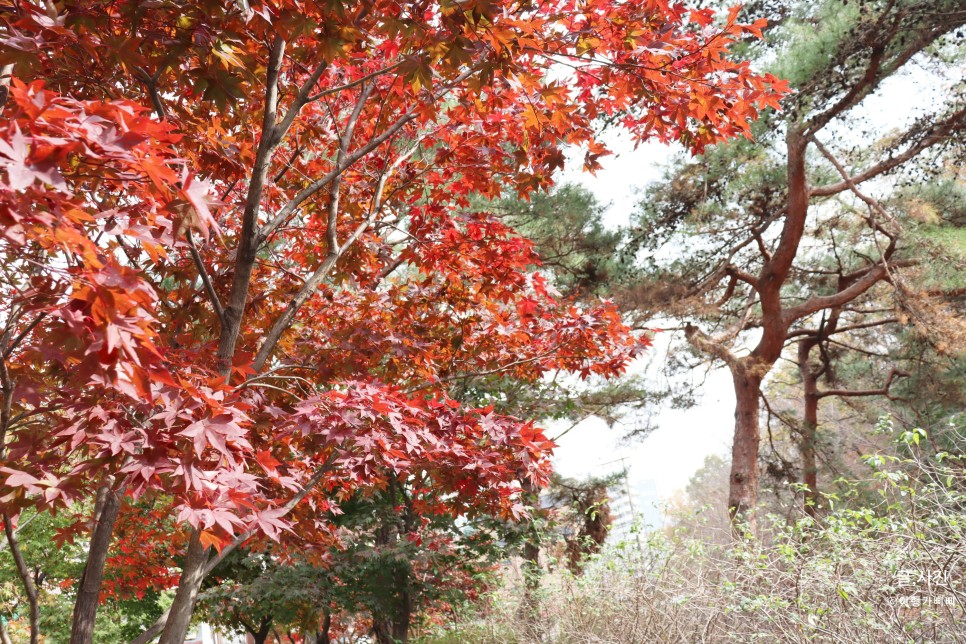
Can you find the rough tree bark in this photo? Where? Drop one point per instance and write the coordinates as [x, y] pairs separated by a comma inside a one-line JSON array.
[[743, 490], [89, 588], [531, 557], [809, 427], [748, 372], [26, 578], [260, 634], [192, 574], [891, 40]]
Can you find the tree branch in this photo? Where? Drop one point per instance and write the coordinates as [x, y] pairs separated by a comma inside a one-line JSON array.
[[700, 340], [331, 231], [311, 285], [870, 277], [845, 329], [155, 629], [20, 336], [205, 278], [246, 252], [940, 132], [306, 193], [854, 393]]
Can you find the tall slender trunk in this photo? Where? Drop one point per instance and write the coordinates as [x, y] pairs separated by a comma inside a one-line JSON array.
[[179, 615], [89, 589], [809, 427], [26, 578], [748, 372], [531, 557], [323, 636], [743, 491], [192, 574]]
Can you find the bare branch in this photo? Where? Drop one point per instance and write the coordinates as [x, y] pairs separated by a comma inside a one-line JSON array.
[[700, 340], [870, 277], [331, 231], [300, 100], [151, 84], [358, 81], [854, 393], [205, 278], [859, 90], [20, 337], [845, 329], [741, 275], [940, 132], [306, 193], [311, 285]]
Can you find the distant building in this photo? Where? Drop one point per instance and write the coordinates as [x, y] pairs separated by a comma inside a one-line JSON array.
[[206, 634]]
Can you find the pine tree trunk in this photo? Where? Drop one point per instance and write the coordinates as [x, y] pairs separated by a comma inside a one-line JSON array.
[[531, 557], [743, 492], [808, 433]]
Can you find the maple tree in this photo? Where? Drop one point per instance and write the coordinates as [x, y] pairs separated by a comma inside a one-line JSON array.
[[241, 269]]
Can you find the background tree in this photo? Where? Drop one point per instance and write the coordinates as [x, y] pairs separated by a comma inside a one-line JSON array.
[[754, 211]]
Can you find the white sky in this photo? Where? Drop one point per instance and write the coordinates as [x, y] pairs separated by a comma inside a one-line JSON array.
[[662, 463]]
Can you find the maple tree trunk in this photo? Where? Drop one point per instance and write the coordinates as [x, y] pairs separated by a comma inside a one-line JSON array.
[[743, 492], [322, 635], [153, 631], [397, 624], [89, 588], [394, 629], [4, 635], [26, 579], [403, 618], [391, 625], [382, 630], [260, 636], [192, 574]]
